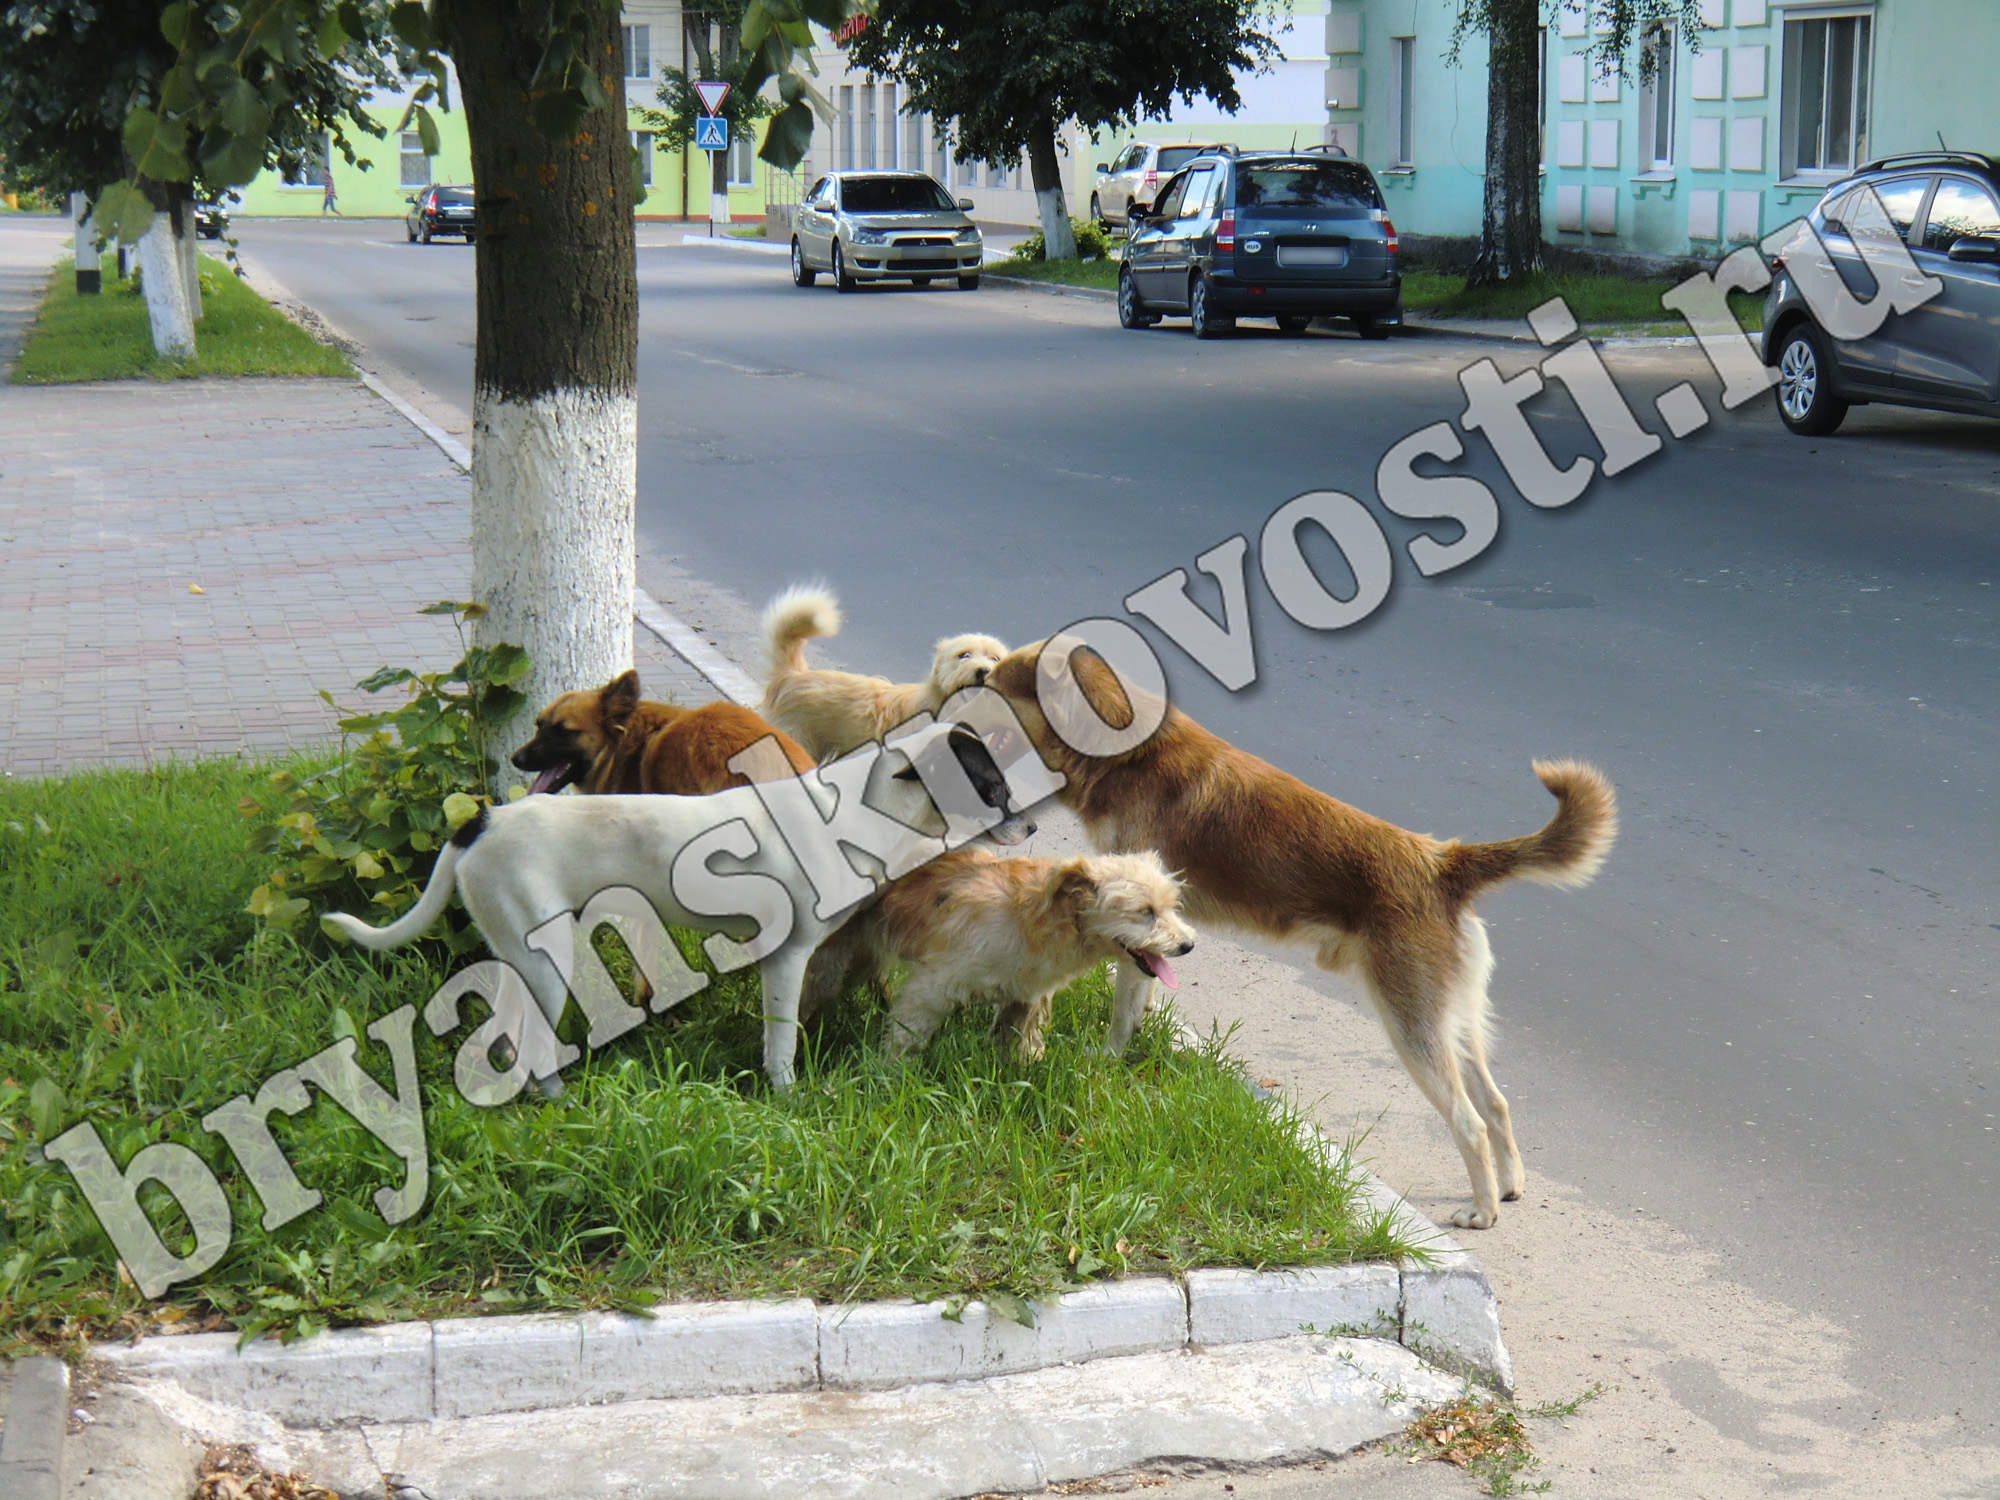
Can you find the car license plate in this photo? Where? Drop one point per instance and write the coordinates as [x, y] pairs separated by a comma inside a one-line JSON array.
[[1312, 255]]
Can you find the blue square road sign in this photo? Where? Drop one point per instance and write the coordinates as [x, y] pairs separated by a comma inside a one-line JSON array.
[[711, 133]]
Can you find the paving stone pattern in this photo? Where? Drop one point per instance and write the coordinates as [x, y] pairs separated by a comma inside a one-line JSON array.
[[315, 519]]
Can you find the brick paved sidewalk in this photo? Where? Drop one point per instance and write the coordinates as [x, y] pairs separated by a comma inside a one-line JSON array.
[[314, 518]]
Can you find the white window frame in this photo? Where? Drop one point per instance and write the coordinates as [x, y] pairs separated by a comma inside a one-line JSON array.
[[740, 167], [1402, 114], [1861, 100], [411, 144], [642, 142], [1656, 103], [638, 51], [843, 156]]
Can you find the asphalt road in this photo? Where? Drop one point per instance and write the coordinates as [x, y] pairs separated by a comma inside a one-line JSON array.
[[1773, 1022]]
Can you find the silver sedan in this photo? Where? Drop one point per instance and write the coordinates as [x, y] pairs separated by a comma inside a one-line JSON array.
[[878, 226]]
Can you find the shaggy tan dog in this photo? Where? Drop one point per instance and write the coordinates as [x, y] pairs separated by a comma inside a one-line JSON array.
[[975, 928], [1262, 851], [832, 712]]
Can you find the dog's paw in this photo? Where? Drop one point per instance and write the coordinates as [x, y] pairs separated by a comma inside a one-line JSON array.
[[551, 1086], [1514, 1192], [1472, 1216]]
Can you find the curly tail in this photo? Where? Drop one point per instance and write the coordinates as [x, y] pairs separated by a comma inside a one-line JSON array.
[[417, 920], [795, 617], [1567, 851]]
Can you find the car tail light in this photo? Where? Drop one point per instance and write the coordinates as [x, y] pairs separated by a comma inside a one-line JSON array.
[[1152, 178], [1777, 263], [1225, 232], [1389, 229]]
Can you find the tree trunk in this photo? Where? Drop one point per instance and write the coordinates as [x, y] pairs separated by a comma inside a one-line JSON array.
[[1045, 171], [1510, 230], [554, 402], [186, 243], [718, 189], [89, 276], [166, 290]]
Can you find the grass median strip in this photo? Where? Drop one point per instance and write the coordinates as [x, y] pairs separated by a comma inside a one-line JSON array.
[[136, 993], [107, 336]]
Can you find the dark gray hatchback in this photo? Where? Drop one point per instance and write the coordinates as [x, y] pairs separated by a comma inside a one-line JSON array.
[[1291, 236], [1942, 213]]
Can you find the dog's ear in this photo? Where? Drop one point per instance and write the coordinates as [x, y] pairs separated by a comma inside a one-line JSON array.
[[615, 705], [1101, 688], [1075, 885]]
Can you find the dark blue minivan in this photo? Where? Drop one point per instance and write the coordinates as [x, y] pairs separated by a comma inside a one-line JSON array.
[[1289, 235]]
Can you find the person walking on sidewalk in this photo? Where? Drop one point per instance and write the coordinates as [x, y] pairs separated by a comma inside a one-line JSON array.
[[330, 204]]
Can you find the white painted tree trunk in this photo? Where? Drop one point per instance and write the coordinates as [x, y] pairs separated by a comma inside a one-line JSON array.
[[166, 290], [1057, 237], [190, 257], [553, 485]]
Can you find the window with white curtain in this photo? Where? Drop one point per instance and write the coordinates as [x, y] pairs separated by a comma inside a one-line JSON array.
[[1824, 120]]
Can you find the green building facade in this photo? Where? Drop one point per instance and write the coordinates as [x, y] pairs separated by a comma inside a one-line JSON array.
[[1740, 129]]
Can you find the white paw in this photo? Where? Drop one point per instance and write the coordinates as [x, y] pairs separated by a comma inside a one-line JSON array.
[[1475, 1217]]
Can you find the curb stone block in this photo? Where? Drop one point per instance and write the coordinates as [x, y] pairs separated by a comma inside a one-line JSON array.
[[333, 1379], [1240, 1307], [903, 1343], [515, 1363], [707, 1349], [1450, 1315], [31, 1444]]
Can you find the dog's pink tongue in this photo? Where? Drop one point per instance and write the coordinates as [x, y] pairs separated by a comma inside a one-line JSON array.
[[544, 781], [1162, 970]]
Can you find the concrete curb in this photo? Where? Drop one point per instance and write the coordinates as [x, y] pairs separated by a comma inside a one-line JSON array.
[[31, 1445], [472, 1367], [730, 242]]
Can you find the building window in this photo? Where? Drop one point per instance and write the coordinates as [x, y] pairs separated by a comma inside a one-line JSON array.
[[940, 151], [1402, 113], [868, 127], [416, 167], [915, 129], [742, 163], [844, 152], [642, 143], [1825, 119], [638, 52], [1656, 103]]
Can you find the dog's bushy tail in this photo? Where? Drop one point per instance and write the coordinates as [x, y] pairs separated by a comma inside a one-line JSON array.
[[1567, 851], [414, 922], [795, 617]]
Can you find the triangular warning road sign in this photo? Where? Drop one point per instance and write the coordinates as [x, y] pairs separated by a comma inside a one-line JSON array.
[[712, 95]]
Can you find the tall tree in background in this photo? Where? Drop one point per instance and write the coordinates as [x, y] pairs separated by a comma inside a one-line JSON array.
[[712, 34], [123, 93], [1011, 73], [1510, 224]]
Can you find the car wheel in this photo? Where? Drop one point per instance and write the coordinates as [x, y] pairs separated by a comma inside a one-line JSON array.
[[969, 283], [1206, 325], [1097, 213], [802, 274], [1132, 311], [1131, 208], [425, 236], [1293, 322], [1371, 327], [843, 280], [1806, 402], [411, 233]]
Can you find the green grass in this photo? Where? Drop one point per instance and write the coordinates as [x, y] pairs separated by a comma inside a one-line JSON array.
[[136, 994], [1097, 273], [1597, 301], [108, 337]]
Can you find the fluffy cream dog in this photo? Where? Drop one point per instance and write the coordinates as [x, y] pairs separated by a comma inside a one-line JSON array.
[[975, 928], [831, 713]]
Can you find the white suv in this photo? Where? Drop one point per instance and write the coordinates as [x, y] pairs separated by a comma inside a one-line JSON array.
[[1131, 180]]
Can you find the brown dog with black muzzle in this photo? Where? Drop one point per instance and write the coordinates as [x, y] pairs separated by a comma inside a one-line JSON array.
[[1259, 850], [610, 740]]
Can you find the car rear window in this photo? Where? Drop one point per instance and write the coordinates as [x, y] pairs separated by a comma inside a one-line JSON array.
[[1306, 184], [455, 197], [892, 195], [1173, 158]]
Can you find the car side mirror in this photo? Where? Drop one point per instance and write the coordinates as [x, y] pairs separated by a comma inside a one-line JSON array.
[[965, 205], [411, 201], [1979, 249], [1103, 168]]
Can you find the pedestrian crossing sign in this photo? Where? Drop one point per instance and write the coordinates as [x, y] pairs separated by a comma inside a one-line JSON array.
[[711, 133]]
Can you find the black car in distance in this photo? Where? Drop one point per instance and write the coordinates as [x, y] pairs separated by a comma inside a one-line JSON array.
[[439, 210], [1285, 235]]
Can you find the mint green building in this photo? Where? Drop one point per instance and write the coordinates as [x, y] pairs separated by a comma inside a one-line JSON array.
[[1740, 131]]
